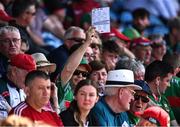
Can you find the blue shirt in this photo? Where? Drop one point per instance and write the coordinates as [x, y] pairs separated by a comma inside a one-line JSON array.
[[103, 115]]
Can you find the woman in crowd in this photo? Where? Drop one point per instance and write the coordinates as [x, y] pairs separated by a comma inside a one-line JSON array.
[[85, 97]]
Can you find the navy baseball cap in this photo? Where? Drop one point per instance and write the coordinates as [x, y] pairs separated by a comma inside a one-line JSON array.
[[143, 84]]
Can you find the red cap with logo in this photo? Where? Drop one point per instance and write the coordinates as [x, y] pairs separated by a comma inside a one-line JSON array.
[[23, 61], [141, 41]]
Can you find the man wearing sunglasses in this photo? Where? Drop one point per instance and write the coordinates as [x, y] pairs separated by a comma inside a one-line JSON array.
[[140, 101]]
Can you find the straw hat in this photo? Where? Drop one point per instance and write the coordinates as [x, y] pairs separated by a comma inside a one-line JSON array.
[[121, 78], [41, 61]]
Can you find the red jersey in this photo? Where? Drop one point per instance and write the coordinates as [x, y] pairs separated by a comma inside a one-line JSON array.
[[47, 116]]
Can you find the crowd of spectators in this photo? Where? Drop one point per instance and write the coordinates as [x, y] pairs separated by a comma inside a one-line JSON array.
[[57, 70]]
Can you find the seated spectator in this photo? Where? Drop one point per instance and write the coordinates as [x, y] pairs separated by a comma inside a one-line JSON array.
[[158, 75], [158, 47], [59, 56], [98, 74], [172, 92], [23, 12], [119, 90], [110, 54], [153, 116], [136, 66], [140, 101], [10, 43], [38, 90], [44, 65], [12, 85], [86, 95], [141, 47], [74, 71]]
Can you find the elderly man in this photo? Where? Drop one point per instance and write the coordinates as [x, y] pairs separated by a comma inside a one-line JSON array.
[[110, 110], [12, 85], [59, 56], [10, 43], [38, 90], [141, 47]]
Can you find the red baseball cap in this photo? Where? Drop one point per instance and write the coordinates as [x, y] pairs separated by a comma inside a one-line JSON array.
[[23, 61], [141, 41], [4, 16], [156, 115], [115, 33]]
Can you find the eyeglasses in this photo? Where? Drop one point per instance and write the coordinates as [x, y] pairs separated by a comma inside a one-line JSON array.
[[8, 41], [80, 40], [143, 98], [83, 73], [131, 91]]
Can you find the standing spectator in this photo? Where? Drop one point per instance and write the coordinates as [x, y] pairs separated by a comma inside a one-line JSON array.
[[59, 56], [86, 95], [12, 85], [141, 47], [10, 43], [38, 90], [158, 75], [140, 102], [119, 90]]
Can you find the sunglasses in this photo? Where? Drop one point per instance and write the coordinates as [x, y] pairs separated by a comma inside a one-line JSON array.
[[83, 73], [143, 98], [80, 40]]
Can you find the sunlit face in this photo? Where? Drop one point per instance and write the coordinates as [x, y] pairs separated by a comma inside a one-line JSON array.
[[96, 50], [110, 60], [99, 76], [125, 98], [159, 52], [76, 78], [138, 104], [143, 53], [89, 55], [38, 92], [139, 75], [86, 98], [164, 83], [10, 43]]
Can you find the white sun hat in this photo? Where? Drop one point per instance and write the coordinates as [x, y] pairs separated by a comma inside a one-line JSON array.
[[41, 61], [121, 78]]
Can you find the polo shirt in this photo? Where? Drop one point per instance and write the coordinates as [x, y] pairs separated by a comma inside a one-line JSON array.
[[102, 115], [47, 116]]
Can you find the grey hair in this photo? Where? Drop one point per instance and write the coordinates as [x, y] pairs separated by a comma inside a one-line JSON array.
[[131, 64], [6, 29], [111, 91], [69, 32]]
